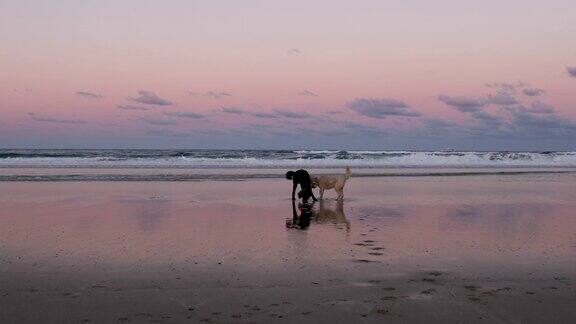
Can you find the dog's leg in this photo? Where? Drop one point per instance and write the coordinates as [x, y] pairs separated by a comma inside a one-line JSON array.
[[340, 192], [313, 197]]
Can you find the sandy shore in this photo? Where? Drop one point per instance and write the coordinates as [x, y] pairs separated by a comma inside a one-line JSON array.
[[447, 249]]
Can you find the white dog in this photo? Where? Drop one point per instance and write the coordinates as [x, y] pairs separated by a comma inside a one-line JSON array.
[[336, 182]]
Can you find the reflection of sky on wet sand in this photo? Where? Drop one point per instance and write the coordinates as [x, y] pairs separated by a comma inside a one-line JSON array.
[[242, 223]]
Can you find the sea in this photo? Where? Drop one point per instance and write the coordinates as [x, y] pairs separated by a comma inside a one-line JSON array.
[[205, 164]]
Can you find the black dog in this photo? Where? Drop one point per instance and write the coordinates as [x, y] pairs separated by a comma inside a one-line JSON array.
[[302, 178]]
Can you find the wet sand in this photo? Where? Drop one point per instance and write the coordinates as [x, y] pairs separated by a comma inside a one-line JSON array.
[[436, 249]]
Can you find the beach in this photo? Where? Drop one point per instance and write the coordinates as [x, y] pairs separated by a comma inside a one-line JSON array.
[[495, 248], [156, 158]]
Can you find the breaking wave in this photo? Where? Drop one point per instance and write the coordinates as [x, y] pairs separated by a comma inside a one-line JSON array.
[[280, 158]]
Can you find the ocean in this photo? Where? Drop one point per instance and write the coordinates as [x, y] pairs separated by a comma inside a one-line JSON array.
[[191, 165]]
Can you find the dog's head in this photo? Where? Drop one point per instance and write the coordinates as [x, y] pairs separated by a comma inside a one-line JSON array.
[[289, 175], [315, 182]]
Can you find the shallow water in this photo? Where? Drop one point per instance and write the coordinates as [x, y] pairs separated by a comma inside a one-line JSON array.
[[486, 218], [173, 174], [512, 232]]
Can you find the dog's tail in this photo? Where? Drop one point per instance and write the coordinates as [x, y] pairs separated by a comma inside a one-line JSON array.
[[348, 173]]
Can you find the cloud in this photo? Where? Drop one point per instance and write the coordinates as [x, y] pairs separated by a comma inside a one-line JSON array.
[[266, 129], [131, 107], [571, 71], [538, 107], [307, 93], [232, 110], [211, 94], [262, 126], [533, 92], [474, 107], [262, 114], [89, 95], [522, 122], [291, 114], [334, 112], [486, 118], [160, 122], [217, 94], [293, 51], [381, 107], [26, 90], [55, 120], [211, 132], [504, 87], [255, 114], [438, 122], [363, 129], [150, 98], [167, 132], [463, 104], [183, 114], [502, 99], [542, 123]]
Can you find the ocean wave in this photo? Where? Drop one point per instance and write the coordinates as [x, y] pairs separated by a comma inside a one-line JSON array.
[[281, 158]]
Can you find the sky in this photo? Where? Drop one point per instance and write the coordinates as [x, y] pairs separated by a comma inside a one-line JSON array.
[[333, 74]]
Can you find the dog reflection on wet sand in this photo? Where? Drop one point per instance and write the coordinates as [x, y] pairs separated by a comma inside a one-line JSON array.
[[324, 215]]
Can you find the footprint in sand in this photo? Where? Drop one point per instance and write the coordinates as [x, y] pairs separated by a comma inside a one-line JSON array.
[[364, 261], [389, 298], [471, 288], [382, 311]]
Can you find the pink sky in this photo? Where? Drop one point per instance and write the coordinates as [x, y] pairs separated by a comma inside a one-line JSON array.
[[285, 57]]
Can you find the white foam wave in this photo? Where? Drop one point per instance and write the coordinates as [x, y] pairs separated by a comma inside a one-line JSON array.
[[368, 159]]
